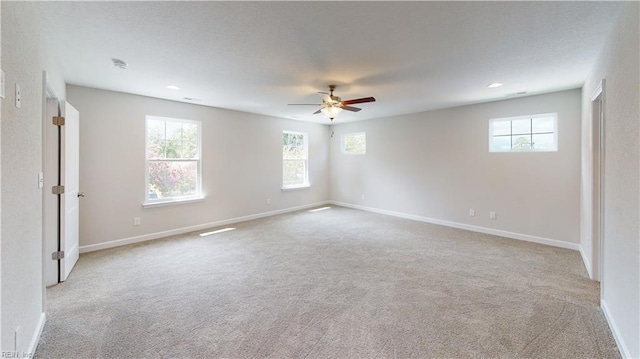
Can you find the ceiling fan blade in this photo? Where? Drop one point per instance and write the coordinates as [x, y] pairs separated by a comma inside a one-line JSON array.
[[359, 100], [304, 104], [323, 93], [351, 108], [317, 112]]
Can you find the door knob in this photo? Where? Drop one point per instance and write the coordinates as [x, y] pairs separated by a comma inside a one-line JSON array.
[[80, 194]]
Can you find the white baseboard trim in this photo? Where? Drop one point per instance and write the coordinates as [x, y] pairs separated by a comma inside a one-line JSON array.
[[173, 232], [624, 351], [33, 345], [586, 262], [469, 227]]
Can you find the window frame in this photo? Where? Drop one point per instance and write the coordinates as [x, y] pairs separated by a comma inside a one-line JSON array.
[[553, 115], [307, 182], [342, 143], [198, 196]]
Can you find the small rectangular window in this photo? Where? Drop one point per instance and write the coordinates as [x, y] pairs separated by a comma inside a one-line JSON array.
[[295, 158], [354, 143], [535, 133], [173, 160]]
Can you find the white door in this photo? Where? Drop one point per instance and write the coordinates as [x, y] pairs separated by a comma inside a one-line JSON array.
[[69, 200]]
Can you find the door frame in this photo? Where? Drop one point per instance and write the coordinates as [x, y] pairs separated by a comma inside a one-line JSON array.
[[597, 103], [50, 174]]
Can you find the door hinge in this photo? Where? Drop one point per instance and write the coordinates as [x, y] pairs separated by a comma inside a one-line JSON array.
[[58, 120], [57, 255], [57, 189]]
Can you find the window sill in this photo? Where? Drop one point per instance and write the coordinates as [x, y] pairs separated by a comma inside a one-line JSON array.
[[172, 202], [286, 189]]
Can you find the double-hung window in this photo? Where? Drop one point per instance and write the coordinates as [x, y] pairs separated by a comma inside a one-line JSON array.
[[534, 133], [295, 160], [173, 161]]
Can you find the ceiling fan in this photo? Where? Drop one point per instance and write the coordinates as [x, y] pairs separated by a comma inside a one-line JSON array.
[[333, 105]]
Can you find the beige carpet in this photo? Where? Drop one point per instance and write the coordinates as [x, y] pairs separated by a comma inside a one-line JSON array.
[[337, 283]]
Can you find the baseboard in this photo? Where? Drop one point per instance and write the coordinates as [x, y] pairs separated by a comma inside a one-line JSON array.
[[587, 262], [173, 232], [33, 345], [624, 351], [469, 227]]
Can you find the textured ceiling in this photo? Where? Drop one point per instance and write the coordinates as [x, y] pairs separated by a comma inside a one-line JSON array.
[[259, 56]]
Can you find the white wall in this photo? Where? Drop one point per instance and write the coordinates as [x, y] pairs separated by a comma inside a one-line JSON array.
[[242, 165], [437, 165], [23, 61], [618, 63]]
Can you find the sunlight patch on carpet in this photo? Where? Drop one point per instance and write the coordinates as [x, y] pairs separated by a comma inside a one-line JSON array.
[[216, 232]]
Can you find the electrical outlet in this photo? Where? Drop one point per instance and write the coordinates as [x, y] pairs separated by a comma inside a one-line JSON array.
[[18, 96], [136, 221], [492, 215], [472, 212], [268, 201]]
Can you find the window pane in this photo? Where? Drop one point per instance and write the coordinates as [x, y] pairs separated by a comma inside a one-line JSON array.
[[173, 148], [354, 143], [155, 139], [172, 179], [173, 128], [501, 143], [501, 127], [294, 173], [520, 127], [188, 141], [293, 146], [544, 142], [182, 140], [521, 142], [543, 124]]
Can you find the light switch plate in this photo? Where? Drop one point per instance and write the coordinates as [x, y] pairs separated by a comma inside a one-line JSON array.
[[18, 96], [40, 180], [1, 84]]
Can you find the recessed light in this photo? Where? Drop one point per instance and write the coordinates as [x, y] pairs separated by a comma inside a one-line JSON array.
[[119, 63], [173, 87], [495, 84]]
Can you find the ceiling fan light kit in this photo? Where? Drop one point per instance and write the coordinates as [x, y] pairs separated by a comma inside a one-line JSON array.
[[332, 105], [331, 111]]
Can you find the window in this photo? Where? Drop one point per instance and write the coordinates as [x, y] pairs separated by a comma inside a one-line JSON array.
[[354, 143], [524, 133], [295, 166], [173, 168]]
